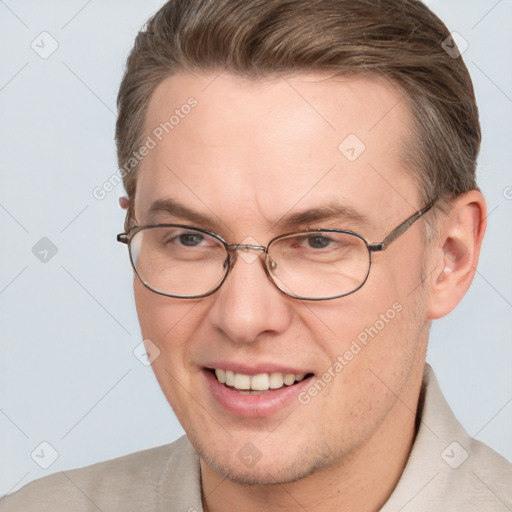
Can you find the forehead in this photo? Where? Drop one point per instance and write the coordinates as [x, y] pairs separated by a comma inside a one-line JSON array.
[[242, 148]]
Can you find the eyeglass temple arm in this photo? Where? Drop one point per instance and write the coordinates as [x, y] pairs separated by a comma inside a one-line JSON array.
[[400, 229], [123, 238]]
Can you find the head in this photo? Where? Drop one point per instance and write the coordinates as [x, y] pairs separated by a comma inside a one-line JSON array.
[[281, 108]]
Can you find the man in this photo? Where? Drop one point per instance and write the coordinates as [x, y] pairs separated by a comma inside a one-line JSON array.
[[301, 206]]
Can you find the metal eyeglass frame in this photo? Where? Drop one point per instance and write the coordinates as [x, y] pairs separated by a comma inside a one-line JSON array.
[[126, 238]]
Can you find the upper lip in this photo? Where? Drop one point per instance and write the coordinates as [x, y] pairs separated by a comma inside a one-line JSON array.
[[254, 369]]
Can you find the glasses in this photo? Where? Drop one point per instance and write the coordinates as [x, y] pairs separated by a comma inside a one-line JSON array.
[[187, 262]]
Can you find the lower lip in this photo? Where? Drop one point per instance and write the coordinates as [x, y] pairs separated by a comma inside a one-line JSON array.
[[254, 405]]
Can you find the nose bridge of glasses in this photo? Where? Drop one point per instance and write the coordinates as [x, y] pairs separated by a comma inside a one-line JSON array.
[[246, 255], [244, 247]]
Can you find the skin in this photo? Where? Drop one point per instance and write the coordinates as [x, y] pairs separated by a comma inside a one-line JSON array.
[[250, 153]]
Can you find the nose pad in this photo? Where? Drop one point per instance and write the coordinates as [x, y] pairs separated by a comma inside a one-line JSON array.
[[272, 265], [249, 254], [229, 261]]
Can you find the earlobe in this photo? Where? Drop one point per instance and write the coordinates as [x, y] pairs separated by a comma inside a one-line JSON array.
[[457, 250]]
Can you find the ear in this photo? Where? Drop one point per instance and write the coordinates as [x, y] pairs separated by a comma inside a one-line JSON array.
[[124, 202], [454, 252]]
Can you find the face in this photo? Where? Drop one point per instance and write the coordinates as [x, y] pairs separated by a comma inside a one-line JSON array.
[[244, 162]]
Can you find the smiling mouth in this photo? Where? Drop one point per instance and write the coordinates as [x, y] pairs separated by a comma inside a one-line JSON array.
[[254, 384]]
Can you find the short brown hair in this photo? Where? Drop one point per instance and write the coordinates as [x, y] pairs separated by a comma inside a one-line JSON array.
[[399, 40]]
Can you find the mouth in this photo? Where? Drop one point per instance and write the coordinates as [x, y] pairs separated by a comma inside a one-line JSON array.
[[257, 384]]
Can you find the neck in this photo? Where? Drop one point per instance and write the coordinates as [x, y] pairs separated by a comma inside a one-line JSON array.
[[362, 480]]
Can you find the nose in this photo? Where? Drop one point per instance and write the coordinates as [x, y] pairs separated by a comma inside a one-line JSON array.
[[248, 306]]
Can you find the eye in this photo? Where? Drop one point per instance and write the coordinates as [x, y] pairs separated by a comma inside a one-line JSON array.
[[190, 239], [318, 241]]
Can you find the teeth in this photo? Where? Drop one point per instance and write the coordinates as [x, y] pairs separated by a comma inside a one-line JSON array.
[[276, 380], [260, 382], [242, 381], [221, 376], [289, 379]]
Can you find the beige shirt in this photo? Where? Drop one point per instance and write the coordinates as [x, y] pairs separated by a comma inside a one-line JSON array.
[[447, 471]]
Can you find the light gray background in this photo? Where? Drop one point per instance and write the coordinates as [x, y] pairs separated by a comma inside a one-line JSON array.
[[68, 326]]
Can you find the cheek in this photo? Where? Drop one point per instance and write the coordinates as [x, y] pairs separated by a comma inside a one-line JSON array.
[[166, 324], [175, 326], [406, 263], [150, 311], [161, 317], [380, 330], [169, 325]]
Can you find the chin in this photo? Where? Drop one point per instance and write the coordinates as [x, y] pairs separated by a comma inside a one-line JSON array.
[[278, 468]]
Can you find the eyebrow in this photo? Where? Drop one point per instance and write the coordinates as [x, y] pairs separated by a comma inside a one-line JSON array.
[[176, 209], [330, 211]]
